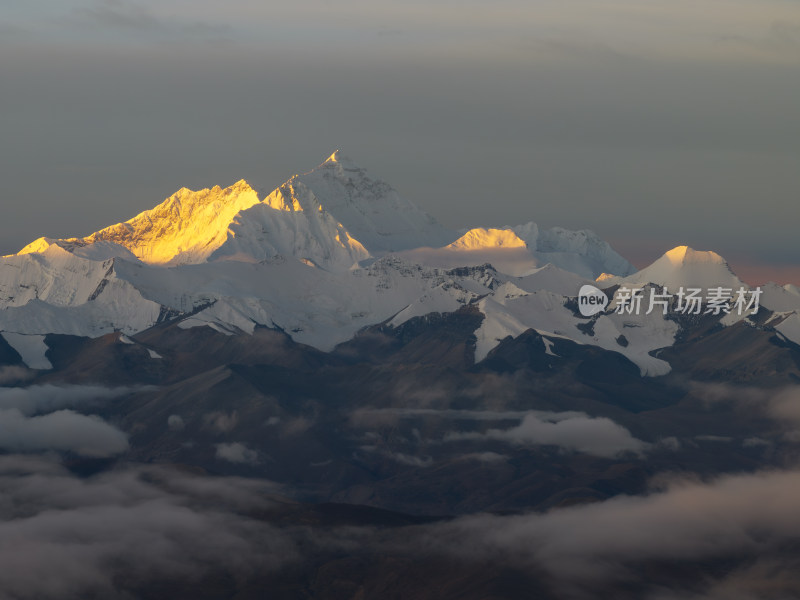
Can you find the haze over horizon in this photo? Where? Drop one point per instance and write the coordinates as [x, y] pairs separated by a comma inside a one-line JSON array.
[[652, 124]]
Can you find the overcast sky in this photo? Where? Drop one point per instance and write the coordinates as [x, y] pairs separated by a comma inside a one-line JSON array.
[[652, 122]]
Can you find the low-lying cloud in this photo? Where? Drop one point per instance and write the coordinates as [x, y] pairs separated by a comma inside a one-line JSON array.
[[752, 516], [43, 418], [781, 405], [571, 431], [46, 398], [125, 533], [237, 453], [15, 374], [112, 536], [63, 431]]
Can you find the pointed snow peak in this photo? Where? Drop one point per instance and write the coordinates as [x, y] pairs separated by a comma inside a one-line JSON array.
[[37, 246], [336, 157], [682, 255], [242, 186], [684, 267], [339, 162], [369, 209], [481, 238]]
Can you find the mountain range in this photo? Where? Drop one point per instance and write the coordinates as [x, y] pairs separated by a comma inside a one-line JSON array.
[[325, 255], [354, 401]]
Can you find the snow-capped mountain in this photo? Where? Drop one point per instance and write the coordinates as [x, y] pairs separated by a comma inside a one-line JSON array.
[[326, 254], [369, 209], [184, 229], [683, 267]]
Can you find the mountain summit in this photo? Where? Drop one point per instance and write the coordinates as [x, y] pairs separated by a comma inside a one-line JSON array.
[[370, 209]]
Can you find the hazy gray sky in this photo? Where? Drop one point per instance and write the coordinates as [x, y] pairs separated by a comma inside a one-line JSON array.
[[652, 122]]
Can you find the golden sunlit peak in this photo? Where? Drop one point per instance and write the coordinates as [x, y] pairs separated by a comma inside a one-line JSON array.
[[481, 238], [677, 254], [243, 184], [341, 160], [37, 246], [187, 227], [685, 254]]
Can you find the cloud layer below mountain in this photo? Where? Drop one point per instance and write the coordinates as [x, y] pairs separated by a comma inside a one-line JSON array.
[[119, 533]]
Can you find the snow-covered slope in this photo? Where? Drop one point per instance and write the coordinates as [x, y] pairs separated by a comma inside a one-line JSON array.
[[780, 298], [510, 312], [553, 279], [58, 292], [314, 306], [789, 328], [31, 349], [54, 276], [279, 227], [784, 301]]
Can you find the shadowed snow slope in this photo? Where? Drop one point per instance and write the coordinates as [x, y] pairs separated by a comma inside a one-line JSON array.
[[369, 209]]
